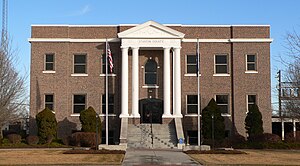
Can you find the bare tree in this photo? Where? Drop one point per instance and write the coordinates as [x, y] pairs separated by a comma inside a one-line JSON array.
[[292, 106], [12, 89]]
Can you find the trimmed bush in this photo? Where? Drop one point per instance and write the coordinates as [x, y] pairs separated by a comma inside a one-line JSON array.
[[47, 124], [253, 122], [32, 140], [14, 138], [289, 137], [84, 139], [266, 138], [219, 126], [88, 120]]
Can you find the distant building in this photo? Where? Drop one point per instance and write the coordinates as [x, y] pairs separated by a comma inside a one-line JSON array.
[[154, 78]]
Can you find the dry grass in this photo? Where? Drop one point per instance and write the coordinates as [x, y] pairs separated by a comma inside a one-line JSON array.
[[56, 157], [253, 157]]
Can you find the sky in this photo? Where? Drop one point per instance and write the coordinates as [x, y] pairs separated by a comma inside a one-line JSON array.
[[282, 16]]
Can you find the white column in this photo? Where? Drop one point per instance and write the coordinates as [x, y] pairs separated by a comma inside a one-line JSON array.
[[167, 84], [135, 82], [177, 83], [124, 86]]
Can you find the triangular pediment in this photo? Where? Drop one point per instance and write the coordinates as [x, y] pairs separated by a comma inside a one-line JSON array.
[[151, 29]]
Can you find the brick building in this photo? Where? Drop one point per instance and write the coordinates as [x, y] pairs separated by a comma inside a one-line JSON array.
[[154, 77]]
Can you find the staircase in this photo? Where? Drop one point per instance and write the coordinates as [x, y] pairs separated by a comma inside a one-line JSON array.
[[155, 136]]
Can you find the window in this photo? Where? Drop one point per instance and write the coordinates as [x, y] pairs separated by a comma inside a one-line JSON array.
[[49, 62], [222, 102], [80, 64], [110, 137], [104, 65], [192, 104], [79, 102], [251, 101], [49, 101], [151, 72], [251, 63], [221, 64], [192, 137], [191, 62], [110, 103]]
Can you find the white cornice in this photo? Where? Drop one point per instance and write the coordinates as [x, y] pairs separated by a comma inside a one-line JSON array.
[[237, 40], [179, 25]]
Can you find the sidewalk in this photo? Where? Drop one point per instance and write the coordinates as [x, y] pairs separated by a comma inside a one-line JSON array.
[[156, 157]]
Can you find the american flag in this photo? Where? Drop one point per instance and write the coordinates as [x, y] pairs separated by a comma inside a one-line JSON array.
[[110, 59]]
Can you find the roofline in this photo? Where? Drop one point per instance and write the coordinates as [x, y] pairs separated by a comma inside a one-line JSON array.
[[169, 25]]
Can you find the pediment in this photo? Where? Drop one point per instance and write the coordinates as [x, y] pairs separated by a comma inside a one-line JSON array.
[[151, 29]]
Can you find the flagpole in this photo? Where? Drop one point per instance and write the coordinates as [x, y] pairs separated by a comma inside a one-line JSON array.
[[106, 95], [198, 78]]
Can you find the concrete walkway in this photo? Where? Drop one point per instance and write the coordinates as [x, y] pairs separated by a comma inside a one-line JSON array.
[[156, 157]]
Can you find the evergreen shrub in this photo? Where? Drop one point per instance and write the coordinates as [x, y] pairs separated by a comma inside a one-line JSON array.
[[47, 124]]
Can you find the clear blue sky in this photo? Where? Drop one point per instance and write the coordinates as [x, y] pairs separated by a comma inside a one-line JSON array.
[[283, 16]]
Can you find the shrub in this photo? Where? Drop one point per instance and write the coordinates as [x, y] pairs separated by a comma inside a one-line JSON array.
[[14, 138], [47, 124], [289, 137], [88, 120], [265, 138], [32, 140], [84, 139], [253, 122], [219, 126], [68, 141], [49, 139]]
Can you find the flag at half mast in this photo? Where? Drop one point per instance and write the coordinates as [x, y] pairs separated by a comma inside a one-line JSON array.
[[109, 57]]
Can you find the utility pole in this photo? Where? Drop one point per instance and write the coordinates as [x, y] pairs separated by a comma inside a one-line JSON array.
[[4, 36]]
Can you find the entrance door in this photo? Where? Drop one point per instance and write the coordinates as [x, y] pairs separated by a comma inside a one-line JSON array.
[[151, 110]]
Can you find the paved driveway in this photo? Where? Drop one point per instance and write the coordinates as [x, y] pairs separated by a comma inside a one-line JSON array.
[[156, 157]]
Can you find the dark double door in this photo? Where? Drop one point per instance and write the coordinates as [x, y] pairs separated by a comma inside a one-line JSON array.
[[151, 110]]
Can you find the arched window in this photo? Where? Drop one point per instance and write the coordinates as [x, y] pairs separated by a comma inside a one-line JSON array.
[[151, 72]]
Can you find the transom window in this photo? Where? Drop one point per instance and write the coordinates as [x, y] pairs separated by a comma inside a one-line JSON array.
[[104, 65], [192, 104], [49, 101], [151, 72], [251, 99], [49, 62], [110, 103], [80, 64], [79, 103], [251, 62], [191, 62], [222, 102], [221, 64]]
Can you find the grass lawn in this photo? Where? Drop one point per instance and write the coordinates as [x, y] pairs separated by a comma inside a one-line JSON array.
[[55, 157], [253, 157]]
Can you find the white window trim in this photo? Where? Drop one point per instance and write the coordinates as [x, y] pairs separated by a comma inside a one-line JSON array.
[[49, 71], [247, 104], [46, 61], [192, 115], [221, 75], [228, 108], [186, 103], [186, 65], [86, 101], [215, 66], [79, 75], [251, 72], [150, 86], [256, 64], [103, 115], [191, 75], [86, 64], [52, 102], [109, 75]]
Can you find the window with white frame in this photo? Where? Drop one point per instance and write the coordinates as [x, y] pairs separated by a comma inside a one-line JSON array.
[[251, 101], [80, 64], [110, 103], [151, 72], [49, 62], [104, 65], [79, 103], [221, 64], [191, 64], [222, 102], [49, 101], [192, 104], [251, 62]]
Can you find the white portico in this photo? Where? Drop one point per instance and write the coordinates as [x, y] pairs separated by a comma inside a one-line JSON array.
[[151, 35]]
